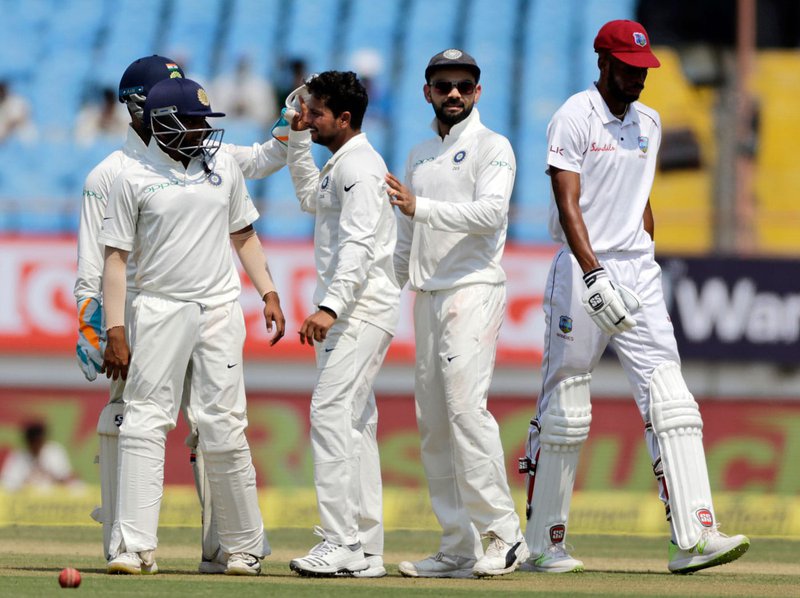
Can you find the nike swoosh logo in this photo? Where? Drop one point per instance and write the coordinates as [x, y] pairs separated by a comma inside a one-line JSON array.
[[232, 366], [108, 218], [449, 359], [329, 350], [346, 188]]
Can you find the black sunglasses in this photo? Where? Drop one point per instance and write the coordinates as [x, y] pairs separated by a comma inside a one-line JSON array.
[[465, 88]]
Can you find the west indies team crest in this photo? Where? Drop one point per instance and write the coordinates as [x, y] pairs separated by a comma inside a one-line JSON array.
[[639, 39], [644, 143], [565, 324]]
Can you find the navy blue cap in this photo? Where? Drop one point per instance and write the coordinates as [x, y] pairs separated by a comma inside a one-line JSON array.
[[187, 96], [453, 58], [145, 72]]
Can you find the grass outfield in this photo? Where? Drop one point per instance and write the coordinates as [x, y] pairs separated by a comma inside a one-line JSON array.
[[32, 556]]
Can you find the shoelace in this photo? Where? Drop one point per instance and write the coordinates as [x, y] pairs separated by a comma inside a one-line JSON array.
[[324, 547], [496, 547]]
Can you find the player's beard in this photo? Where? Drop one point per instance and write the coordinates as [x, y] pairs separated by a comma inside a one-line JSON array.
[[620, 94], [452, 119]]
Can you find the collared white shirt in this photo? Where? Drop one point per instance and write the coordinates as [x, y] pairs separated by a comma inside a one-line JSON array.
[[256, 161], [354, 229], [616, 161], [178, 221], [96, 190], [463, 185]]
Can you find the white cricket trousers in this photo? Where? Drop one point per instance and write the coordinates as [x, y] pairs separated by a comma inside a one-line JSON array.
[[456, 339], [166, 336], [344, 422]]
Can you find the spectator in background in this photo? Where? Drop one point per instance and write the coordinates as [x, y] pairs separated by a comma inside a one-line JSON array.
[[41, 464], [104, 119], [245, 95], [15, 114]]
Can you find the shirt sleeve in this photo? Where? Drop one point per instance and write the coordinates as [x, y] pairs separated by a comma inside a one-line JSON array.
[[305, 174], [122, 215], [359, 219], [241, 211], [90, 252], [488, 211], [260, 159], [566, 143], [405, 234]]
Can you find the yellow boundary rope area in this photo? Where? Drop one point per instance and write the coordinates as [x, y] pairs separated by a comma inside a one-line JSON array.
[[405, 508]]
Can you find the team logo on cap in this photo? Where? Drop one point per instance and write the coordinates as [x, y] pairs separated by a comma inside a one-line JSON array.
[[214, 179], [644, 142], [639, 39], [557, 533], [459, 157], [452, 54], [565, 324], [202, 97]]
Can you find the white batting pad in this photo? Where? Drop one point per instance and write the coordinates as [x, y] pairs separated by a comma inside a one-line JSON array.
[[679, 429], [108, 431], [564, 429]]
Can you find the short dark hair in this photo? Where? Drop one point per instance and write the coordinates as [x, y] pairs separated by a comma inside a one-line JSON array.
[[342, 92]]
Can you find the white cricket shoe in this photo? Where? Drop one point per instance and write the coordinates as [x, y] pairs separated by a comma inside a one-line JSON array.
[[500, 557], [328, 559], [243, 563], [133, 563], [438, 565], [215, 566], [714, 548], [375, 569], [555, 559]]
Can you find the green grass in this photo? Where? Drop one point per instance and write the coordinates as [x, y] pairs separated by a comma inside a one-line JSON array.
[[31, 558]]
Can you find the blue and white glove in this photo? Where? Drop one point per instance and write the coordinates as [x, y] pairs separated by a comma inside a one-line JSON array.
[[609, 305], [91, 337]]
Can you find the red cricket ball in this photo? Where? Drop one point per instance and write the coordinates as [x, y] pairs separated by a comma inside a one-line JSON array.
[[69, 578]]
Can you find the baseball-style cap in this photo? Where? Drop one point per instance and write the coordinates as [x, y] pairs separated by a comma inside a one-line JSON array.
[[628, 42], [145, 72], [186, 96], [453, 58]]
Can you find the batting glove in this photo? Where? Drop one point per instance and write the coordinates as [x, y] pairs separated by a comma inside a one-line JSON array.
[[91, 337], [608, 305]]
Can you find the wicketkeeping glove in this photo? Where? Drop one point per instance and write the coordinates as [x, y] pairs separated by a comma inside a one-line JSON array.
[[91, 337], [609, 305]]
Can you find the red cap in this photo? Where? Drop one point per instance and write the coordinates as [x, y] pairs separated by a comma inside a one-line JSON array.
[[628, 42]]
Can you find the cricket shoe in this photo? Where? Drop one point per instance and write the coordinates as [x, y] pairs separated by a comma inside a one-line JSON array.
[[243, 563], [438, 565], [375, 569], [215, 566], [328, 559], [555, 559], [714, 548], [500, 557], [133, 563]]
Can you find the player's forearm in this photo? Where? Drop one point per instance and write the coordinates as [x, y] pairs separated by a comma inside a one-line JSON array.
[[483, 216], [114, 286], [251, 254], [305, 174], [259, 160]]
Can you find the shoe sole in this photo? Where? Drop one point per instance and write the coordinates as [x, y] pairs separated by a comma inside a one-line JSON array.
[[371, 573], [463, 574], [207, 568], [333, 573], [243, 572], [123, 570], [726, 557]]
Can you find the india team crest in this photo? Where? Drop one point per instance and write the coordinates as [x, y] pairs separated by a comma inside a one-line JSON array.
[[202, 97], [639, 39], [644, 143], [459, 157], [214, 179], [325, 181]]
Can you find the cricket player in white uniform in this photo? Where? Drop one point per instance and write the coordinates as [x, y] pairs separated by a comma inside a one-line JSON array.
[[604, 286], [178, 208], [258, 160], [451, 235], [357, 300]]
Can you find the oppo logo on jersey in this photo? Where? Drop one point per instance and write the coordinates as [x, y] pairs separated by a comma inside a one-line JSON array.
[[423, 161]]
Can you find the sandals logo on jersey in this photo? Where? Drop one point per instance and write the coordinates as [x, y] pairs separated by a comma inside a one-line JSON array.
[[459, 157], [565, 324], [705, 517], [215, 179], [557, 533], [644, 142], [325, 181]]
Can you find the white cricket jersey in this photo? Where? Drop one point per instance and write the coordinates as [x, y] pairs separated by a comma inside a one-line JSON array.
[[463, 185], [178, 221], [616, 161], [96, 190], [354, 229], [256, 161]]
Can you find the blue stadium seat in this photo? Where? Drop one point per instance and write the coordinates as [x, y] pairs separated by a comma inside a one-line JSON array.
[[253, 28], [193, 36]]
